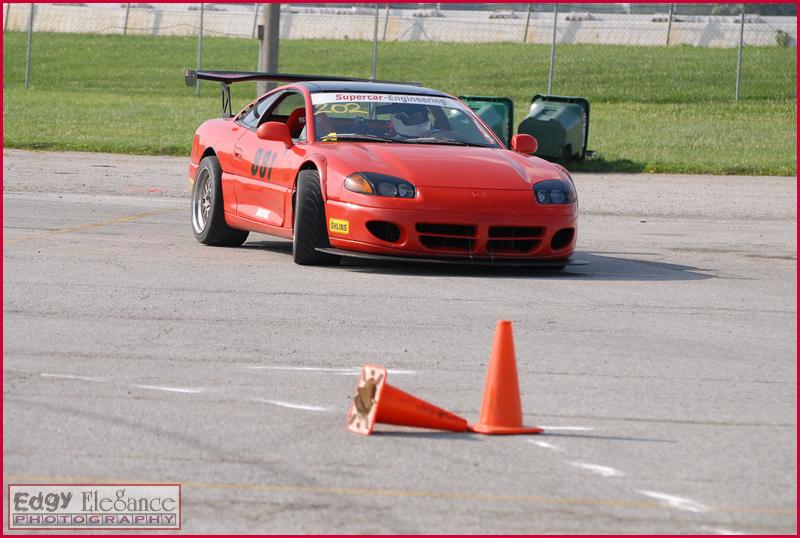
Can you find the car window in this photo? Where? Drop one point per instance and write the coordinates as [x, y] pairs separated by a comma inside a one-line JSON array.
[[289, 104], [343, 116], [249, 117], [291, 110]]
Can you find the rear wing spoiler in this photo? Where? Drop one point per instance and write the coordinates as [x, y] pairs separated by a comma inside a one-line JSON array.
[[226, 78]]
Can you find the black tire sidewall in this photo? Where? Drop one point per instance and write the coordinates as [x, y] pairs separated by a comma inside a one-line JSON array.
[[206, 164], [310, 222], [216, 231]]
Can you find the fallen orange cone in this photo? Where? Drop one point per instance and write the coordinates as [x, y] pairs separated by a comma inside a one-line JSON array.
[[377, 401], [501, 410]]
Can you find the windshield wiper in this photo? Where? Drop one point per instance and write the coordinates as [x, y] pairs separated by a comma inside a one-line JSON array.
[[357, 137], [437, 140]]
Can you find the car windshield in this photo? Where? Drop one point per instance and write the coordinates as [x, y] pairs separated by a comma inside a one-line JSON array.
[[396, 118]]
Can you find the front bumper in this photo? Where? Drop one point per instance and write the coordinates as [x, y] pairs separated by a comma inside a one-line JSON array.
[[543, 233]]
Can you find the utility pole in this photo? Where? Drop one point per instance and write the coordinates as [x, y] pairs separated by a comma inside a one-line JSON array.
[[269, 35]]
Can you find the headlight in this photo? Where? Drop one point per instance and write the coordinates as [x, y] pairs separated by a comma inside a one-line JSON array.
[[379, 184], [555, 191]]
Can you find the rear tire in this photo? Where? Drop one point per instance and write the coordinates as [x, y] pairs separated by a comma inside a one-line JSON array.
[[208, 217], [310, 225]]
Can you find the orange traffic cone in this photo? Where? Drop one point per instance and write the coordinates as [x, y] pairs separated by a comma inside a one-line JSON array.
[[377, 401], [501, 410]]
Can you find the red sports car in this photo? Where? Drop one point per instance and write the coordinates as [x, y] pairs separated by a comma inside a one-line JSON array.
[[376, 170]]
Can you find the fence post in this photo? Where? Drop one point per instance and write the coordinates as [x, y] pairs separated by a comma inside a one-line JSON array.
[[255, 21], [200, 50], [739, 61], [669, 22], [8, 9], [527, 24], [30, 45], [127, 14], [385, 22], [375, 44], [553, 50]]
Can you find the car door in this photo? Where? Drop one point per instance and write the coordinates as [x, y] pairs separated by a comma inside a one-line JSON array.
[[266, 169]]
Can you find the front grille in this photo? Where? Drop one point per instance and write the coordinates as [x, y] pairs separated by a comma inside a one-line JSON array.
[[464, 230], [451, 238], [467, 239], [513, 239], [450, 244], [508, 246], [515, 231]]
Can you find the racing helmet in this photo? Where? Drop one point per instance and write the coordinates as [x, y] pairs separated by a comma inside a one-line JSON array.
[[411, 120]]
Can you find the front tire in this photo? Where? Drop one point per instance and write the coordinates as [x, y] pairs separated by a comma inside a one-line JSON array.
[[208, 216], [310, 226]]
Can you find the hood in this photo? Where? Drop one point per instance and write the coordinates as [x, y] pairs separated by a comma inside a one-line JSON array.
[[428, 165]]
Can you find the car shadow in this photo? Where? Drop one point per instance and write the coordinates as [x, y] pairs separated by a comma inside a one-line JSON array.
[[546, 433], [426, 434], [601, 266], [471, 436]]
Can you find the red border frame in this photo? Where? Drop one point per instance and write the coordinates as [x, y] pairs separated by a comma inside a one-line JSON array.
[[87, 528]]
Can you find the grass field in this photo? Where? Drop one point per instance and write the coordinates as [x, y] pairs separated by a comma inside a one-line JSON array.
[[653, 108]]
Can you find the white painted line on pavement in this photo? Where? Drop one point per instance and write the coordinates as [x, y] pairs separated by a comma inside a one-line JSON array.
[[719, 530], [182, 390], [388, 370], [567, 428], [545, 444], [602, 470], [301, 368], [290, 405], [77, 377], [680, 503], [334, 371]]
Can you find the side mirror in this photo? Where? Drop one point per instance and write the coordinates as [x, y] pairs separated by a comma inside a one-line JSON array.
[[275, 130], [524, 143]]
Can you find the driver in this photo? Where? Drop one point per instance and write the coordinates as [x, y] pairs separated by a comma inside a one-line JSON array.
[[410, 121]]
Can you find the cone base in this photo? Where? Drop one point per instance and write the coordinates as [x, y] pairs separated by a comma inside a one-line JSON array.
[[375, 401], [503, 430], [361, 416]]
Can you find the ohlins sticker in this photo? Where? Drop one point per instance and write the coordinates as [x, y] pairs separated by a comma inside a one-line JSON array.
[[339, 226], [263, 163]]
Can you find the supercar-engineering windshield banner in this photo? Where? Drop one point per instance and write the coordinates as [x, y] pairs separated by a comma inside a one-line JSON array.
[[348, 97]]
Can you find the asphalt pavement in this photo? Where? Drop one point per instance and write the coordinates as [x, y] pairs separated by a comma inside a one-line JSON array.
[[663, 372]]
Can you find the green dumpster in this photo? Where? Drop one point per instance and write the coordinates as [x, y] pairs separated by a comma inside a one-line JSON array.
[[496, 112], [560, 126]]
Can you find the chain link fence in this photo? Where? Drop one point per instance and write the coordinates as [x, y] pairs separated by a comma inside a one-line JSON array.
[[668, 24], [695, 25]]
